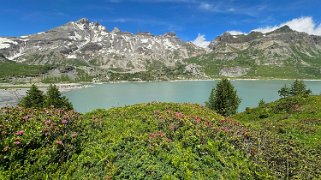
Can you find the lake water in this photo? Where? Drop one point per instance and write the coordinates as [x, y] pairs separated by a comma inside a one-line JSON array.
[[120, 94]]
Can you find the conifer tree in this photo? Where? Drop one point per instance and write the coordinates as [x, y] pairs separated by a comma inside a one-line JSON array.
[[33, 99], [284, 91], [299, 88], [224, 99], [55, 99]]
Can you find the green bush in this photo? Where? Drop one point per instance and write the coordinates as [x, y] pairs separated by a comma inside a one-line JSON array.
[[34, 142]]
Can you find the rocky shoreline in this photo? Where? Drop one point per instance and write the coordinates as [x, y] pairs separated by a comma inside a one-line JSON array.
[[10, 94]]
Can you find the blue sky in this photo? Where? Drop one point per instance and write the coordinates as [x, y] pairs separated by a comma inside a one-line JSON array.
[[187, 18]]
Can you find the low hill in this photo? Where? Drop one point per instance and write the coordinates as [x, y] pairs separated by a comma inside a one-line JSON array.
[[155, 141], [289, 131], [163, 141]]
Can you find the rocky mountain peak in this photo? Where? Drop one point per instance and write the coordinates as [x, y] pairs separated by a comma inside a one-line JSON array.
[[83, 21], [115, 30], [283, 29]]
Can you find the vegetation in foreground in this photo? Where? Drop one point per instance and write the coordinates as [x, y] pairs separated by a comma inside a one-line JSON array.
[[160, 140], [278, 140]]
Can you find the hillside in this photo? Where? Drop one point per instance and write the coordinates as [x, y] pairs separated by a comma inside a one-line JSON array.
[[283, 53], [290, 129], [158, 140], [163, 140]]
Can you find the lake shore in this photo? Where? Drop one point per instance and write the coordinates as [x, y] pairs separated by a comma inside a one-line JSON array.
[[11, 94]]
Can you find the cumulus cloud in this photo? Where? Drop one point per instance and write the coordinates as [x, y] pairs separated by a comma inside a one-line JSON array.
[[201, 41], [302, 24], [236, 32], [206, 6]]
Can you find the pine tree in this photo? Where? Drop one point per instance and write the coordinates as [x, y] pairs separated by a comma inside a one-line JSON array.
[[284, 92], [224, 99], [262, 103], [33, 99], [55, 99], [299, 88]]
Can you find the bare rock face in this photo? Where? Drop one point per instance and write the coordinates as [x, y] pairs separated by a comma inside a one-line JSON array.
[[90, 42], [234, 71], [274, 48]]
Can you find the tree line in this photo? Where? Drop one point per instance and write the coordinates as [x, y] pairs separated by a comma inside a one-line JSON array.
[[35, 98], [225, 101]]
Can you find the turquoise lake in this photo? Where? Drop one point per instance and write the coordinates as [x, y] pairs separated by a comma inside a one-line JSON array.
[[109, 95]]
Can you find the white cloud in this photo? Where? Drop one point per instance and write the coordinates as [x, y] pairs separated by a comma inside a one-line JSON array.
[[302, 24], [206, 6], [201, 41], [236, 32]]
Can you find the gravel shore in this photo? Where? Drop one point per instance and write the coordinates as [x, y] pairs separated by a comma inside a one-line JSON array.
[[10, 94]]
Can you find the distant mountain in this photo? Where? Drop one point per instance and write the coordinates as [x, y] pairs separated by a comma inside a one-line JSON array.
[[91, 43], [283, 53], [89, 50]]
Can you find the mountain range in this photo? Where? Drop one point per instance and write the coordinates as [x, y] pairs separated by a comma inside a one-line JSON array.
[[86, 51]]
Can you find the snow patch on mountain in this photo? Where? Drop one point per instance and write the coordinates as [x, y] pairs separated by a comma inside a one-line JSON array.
[[6, 43]]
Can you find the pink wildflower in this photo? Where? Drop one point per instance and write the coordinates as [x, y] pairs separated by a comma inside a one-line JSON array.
[[20, 133], [151, 136], [178, 115], [47, 122], [73, 135], [64, 121], [25, 118], [160, 134], [197, 119], [59, 142], [17, 142]]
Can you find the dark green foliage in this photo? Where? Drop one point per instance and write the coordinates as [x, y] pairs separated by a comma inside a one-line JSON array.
[[55, 99], [284, 92], [297, 88], [224, 99], [33, 99], [262, 103]]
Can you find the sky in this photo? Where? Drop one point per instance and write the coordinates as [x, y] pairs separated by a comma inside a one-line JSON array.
[[199, 21]]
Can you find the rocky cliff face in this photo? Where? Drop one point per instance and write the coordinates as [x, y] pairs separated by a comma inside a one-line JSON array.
[[282, 53], [91, 44], [275, 48]]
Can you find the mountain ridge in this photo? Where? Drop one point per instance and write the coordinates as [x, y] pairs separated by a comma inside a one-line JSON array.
[[114, 55]]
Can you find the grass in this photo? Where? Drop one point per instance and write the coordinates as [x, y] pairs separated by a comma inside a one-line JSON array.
[[12, 69]]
